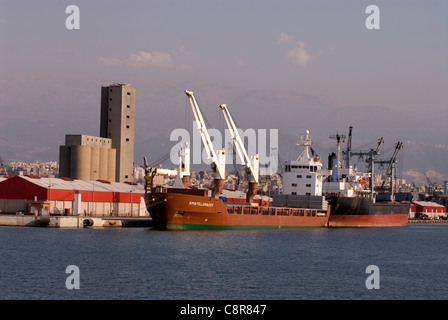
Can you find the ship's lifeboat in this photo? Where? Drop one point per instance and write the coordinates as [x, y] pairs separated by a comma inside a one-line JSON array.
[[362, 181]]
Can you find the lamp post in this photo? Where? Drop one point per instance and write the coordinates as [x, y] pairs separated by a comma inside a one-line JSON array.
[[131, 201], [49, 196], [93, 195]]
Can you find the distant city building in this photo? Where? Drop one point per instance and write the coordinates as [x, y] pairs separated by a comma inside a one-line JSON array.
[[87, 158], [117, 123]]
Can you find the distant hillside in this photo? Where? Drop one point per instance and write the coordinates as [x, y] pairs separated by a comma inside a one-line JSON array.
[[38, 113]]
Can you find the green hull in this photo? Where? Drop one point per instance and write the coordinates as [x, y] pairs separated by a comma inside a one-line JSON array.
[[185, 226]]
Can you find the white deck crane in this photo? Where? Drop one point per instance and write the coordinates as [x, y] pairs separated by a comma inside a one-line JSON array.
[[217, 158], [251, 164]]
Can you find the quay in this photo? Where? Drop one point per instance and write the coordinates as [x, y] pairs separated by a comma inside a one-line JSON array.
[[414, 221], [21, 220]]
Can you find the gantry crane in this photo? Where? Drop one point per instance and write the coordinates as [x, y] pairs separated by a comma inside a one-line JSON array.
[[390, 171], [218, 157], [250, 163], [371, 161]]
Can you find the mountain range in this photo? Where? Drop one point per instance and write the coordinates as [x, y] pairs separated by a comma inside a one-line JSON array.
[[37, 113]]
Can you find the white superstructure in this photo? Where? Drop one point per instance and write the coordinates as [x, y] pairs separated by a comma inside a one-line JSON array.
[[305, 175]]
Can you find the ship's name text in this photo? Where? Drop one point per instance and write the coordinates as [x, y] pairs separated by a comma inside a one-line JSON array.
[[200, 204]]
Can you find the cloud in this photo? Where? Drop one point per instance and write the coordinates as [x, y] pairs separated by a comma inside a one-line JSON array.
[[284, 38], [150, 59], [298, 54], [420, 178], [142, 59]]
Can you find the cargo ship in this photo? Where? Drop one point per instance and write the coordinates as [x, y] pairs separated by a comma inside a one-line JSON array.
[[351, 194], [183, 208], [356, 212], [195, 209]]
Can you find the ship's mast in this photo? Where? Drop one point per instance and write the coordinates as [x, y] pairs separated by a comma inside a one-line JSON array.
[[338, 138], [251, 164], [349, 146], [184, 164], [305, 142], [217, 158]]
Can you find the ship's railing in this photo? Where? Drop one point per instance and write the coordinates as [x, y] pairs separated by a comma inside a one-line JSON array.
[[275, 211]]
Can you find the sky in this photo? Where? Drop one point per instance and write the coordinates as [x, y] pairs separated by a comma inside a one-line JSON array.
[[259, 55]]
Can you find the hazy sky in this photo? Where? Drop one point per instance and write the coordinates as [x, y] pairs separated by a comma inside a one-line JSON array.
[[319, 48]]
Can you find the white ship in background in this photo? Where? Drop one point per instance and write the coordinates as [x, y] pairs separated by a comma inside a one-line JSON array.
[[304, 176], [303, 179]]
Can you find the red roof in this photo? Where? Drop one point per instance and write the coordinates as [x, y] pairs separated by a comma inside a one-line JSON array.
[[24, 187]]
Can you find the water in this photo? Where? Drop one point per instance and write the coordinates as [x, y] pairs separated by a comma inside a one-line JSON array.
[[139, 263]]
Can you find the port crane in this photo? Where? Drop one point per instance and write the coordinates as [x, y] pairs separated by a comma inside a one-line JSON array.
[[371, 160], [390, 171], [218, 157], [250, 163]]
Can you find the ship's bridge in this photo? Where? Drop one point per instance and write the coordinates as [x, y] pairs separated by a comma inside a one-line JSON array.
[[304, 176]]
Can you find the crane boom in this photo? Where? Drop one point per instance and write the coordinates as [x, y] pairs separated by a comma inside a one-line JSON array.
[[251, 164], [391, 167], [217, 159]]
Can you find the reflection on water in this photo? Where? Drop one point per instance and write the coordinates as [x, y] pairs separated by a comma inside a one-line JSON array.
[[138, 263]]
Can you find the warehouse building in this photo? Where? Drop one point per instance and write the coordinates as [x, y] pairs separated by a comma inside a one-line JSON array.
[[427, 208], [65, 196]]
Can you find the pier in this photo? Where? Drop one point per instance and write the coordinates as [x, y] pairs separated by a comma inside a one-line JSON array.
[[414, 221], [21, 220]]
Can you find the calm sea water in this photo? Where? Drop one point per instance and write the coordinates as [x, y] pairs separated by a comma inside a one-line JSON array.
[[308, 264]]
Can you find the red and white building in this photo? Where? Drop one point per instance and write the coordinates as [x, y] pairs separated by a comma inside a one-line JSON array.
[[431, 209], [30, 194]]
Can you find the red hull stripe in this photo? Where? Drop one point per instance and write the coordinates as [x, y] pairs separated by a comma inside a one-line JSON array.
[[369, 220]]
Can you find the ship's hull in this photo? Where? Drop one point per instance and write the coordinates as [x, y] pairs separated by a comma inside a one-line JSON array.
[[180, 211], [363, 212]]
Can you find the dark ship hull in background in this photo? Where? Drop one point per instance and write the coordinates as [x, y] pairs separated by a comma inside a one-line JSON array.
[[363, 212]]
